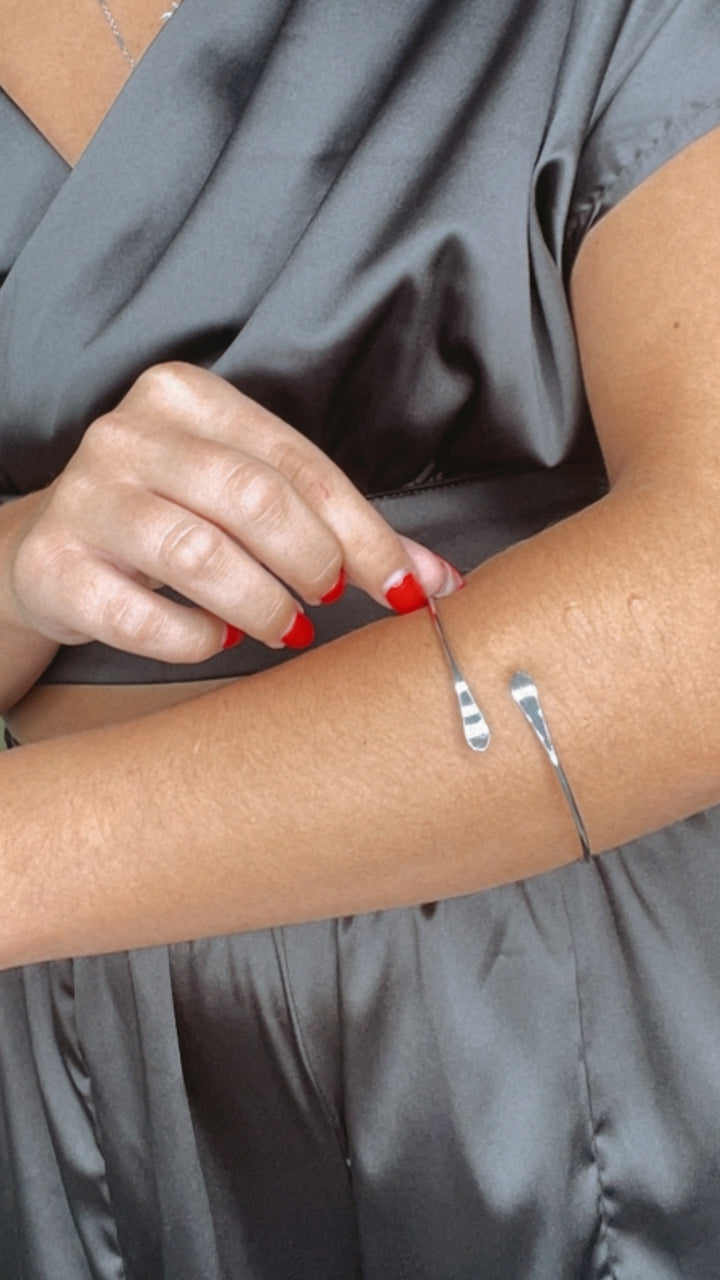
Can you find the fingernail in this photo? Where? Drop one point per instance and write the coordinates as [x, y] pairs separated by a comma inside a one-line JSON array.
[[335, 592], [300, 634], [404, 593], [453, 579], [232, 636]]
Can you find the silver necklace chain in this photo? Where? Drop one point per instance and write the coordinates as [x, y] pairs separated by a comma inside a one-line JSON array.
[[117, 33]]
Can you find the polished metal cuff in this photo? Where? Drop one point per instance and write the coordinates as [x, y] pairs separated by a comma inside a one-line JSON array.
[[527, 698], [475, 727]]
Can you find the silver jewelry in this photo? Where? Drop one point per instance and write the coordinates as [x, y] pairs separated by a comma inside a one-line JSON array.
[[117, 33], [527, 698], [474, 725]]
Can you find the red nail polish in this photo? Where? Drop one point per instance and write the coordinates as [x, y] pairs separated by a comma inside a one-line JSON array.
[[335, 592], [406, 595], [232, 636], [300, 634]]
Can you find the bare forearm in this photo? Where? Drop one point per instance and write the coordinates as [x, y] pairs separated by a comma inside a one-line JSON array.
[[340, 782]]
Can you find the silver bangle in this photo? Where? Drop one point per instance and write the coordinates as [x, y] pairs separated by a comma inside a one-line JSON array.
[[527, 698], [474, 725], [476, 730]]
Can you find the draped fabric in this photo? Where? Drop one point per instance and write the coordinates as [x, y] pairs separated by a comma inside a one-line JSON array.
[[520, 1084], [364, 215]]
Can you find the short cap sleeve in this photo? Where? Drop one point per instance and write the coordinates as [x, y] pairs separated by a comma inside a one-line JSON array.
[[659, 93]]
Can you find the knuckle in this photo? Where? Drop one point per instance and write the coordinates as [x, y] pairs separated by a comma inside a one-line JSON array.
[[108, 454], [55, 587], [258, 493], [138, 621], [166, 385], [303, 472], [77, 494], [105, 435], [374, 541], [44, 558], [192, 549]]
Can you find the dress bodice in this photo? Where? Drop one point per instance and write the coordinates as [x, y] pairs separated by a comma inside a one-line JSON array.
[[362, 215]]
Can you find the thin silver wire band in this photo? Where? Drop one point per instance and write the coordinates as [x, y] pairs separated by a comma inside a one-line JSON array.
[[527, 698], [119, 38], [117, 33], [474, 725]]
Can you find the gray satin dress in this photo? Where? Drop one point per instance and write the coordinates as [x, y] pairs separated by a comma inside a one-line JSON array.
[[364, 215]]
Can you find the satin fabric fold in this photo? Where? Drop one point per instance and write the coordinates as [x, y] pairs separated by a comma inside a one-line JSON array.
[[520, 1083], [364, 216]]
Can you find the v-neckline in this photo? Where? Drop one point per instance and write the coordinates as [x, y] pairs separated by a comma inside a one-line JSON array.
[[72, 164]]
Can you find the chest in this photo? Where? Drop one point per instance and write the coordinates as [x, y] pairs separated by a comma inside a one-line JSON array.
[[65, 61]]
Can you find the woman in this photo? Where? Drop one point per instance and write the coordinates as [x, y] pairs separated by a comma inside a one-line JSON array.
[[364, 225]]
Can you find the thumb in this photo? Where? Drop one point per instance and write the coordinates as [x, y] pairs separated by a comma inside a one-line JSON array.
[[436, 576]]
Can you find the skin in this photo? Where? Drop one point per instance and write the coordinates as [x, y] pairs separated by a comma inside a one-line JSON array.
[[189, 483], [172, 827], [60, 63]]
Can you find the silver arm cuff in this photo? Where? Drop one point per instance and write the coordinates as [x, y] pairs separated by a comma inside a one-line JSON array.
[[474, 725], [527, 698]]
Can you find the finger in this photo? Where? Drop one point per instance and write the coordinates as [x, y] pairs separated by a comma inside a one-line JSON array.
[[375, 557], [392, 569], [95, 600], [395, 570], [168, 543], [252, 502], [438, 576]]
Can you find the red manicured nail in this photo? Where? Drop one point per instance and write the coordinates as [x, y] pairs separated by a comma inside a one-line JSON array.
[[300, 634], [404, 593], [232, 636], [335, 592]]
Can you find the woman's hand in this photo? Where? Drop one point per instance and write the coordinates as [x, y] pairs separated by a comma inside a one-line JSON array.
[[191, 484]]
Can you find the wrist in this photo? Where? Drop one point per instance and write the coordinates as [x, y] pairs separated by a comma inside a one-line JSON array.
[[25, 651]]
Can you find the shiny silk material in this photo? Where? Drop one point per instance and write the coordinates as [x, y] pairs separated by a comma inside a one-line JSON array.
[[361, 213], [364, 215]]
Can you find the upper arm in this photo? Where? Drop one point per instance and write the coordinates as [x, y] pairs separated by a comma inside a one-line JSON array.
[[645, 293]]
